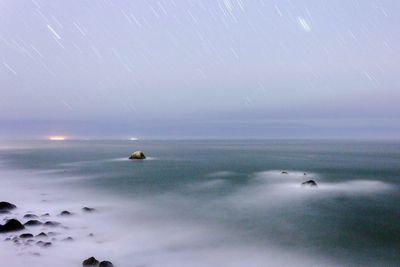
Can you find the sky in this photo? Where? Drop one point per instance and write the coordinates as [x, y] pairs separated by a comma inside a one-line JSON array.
[[200, 69]]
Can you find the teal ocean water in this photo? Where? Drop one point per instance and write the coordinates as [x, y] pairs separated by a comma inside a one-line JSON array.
[[203, 202]]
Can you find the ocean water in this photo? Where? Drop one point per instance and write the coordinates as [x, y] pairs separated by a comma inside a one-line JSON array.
[[207, 203]]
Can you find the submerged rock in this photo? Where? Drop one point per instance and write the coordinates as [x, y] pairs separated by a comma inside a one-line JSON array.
[[42, 234], [33, 223], [30, 216], [137, 155], [87, 209], [65, 213], [52, 223], [45, 215], [106, 264], [27, 235], [68, 239], [11, 225], [6, 206], [43, 244], [90, 262], [284, 172], [310, 183]]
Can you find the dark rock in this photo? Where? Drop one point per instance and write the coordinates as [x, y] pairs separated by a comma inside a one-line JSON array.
[[90, 262], [33, 223], [106, 264], [11, 225], [284, 172], [87, 209], [43, 244], [68, 239], [91, 235], [65, 213], [7, 239], [27, 235], [310, 183], [30, 216], [42, 234], [52, 223], [137, 155], [6, 206], [45, 215]]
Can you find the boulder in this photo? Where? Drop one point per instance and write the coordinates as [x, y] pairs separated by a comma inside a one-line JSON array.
[[27, 235], [52, 223], [87, 209], [43, 244], [106, 264], [90, 262], [65, 213], [137, 155], [11, 225], [6, 206], [33, 223], [310, 183], [30, 216], [41, 235], [284, 172]]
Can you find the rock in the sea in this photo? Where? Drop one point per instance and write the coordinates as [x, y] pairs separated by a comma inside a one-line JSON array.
[[87, 209], [90, 262], [45, 215], [65, 213], [284, 172], [106, 264], [310, 183], [30, 216], [33, 223], [11, 225], [42, 234], [6, 206], [137, 155], [67, 239], [43, 244], [27, 235], [52, 223]]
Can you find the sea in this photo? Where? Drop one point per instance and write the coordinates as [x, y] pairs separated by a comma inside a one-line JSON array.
[[205, 203]]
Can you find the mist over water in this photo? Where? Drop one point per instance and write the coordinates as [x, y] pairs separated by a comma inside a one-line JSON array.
[[208, 203]]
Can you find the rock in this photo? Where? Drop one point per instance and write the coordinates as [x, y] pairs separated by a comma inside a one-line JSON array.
[[310, 183], [87, 209], [65, 213], [106, 264], [45, 215], [284, 172], [52, 223], [137, 155], [42, 234], [30, 216], [90, 262], [27, 235], [6, 206], [43, 244], [33, 223], [68, 239], [11, 225]]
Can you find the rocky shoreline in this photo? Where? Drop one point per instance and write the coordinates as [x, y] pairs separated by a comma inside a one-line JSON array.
[[41, 231]]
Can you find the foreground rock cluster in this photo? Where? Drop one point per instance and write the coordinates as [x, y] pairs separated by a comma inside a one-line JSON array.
[[20, 231]]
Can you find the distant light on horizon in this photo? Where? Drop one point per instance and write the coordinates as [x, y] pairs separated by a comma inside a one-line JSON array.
[[133, 138], [57, 138]]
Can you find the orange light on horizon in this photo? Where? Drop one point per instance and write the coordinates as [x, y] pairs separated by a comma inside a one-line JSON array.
[[57, 138]]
